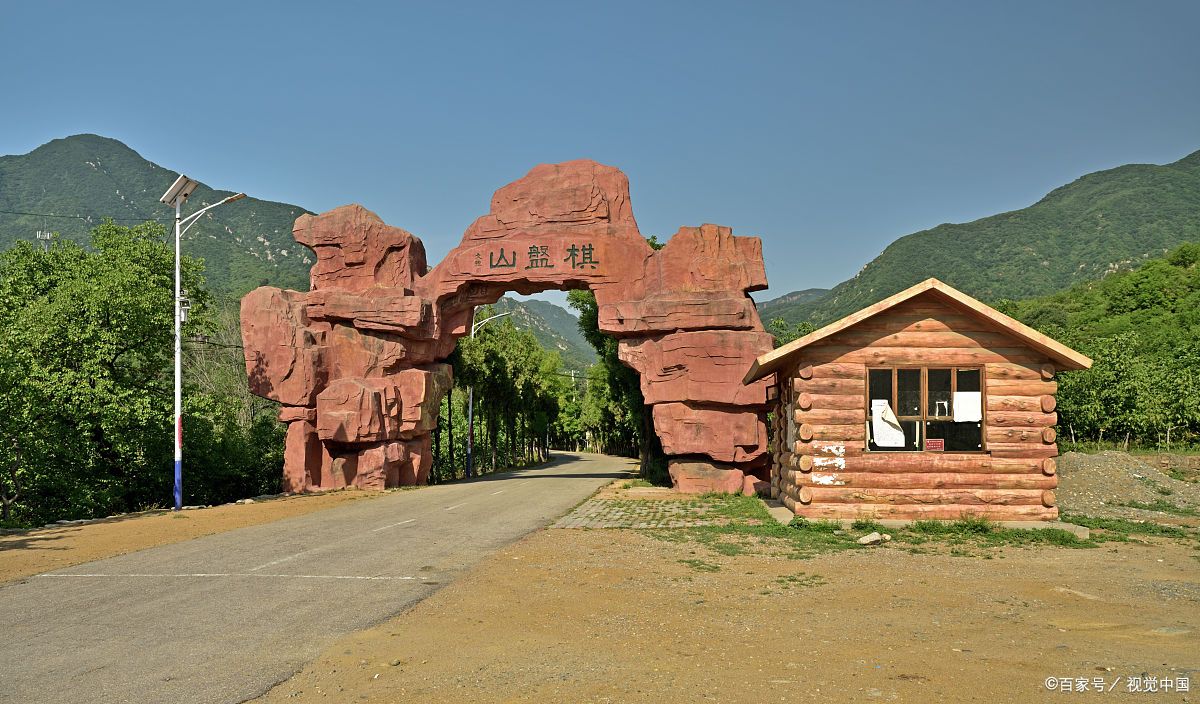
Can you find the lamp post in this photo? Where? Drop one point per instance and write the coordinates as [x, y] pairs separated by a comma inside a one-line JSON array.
[[176, 196], [471, 400]]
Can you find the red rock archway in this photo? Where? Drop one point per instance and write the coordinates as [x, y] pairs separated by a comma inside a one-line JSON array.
[[357, 360]]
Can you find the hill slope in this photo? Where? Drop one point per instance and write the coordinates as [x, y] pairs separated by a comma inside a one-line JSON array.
[[554, 328], [779, 307], [245, 244], [1103, 222]]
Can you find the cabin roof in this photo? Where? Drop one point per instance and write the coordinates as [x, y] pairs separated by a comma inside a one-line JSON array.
[[1066, 357]]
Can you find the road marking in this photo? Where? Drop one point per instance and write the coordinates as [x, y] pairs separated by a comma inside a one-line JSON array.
[[376, 530], [282, 559], [237, 574], [451, 508]]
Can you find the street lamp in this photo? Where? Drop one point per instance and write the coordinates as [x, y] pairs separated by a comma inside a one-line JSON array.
[[471, 399], [176, 196]]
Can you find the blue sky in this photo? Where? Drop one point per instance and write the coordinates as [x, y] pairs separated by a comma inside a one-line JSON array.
[[827, 129]]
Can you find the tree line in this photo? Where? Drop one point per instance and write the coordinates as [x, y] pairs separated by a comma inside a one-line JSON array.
[[86, 384], [1142, 330]]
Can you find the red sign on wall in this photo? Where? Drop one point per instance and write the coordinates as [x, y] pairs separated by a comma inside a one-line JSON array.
[[935, 445]]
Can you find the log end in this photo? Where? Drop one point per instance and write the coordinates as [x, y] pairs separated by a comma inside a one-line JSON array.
[[1049, 466], [804, 401], [1049, 435], [805, 495], [1048, 499], [805, 372], [806, 463], [806, 432], [1047, 371], [1048, 404]]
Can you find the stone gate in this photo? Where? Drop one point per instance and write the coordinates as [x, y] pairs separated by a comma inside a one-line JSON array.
[[357, 361]]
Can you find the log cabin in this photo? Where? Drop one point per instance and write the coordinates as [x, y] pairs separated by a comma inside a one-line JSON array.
[[926, 405]]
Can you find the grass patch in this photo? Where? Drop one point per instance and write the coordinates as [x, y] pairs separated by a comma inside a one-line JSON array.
[[740, 525], [637, 483], [701, 565], [800, 579], [974, 532], [1122, 526], [1162, 506], [866, 525]]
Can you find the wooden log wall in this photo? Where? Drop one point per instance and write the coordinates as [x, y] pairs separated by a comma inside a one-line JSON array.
[[822, 468]]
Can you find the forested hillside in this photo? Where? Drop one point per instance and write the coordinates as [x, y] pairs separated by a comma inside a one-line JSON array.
[[553, 327], [244, 244], [1142, 329], [1101, 223], [781, 307]]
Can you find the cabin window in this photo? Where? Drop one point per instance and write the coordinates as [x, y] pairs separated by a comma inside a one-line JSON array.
[[925, 409]]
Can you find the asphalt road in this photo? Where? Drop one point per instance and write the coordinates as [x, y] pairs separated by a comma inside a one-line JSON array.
[[224, 617]]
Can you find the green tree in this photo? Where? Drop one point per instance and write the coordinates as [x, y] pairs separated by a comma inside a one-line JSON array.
[[86, 358]]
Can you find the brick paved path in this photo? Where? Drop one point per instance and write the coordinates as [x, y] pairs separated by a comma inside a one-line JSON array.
[[617, 513]]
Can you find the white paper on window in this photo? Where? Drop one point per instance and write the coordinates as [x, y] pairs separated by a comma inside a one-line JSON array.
[[885, 427], [968, 406]]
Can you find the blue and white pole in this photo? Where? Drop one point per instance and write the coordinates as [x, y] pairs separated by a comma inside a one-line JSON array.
[[178, 373]]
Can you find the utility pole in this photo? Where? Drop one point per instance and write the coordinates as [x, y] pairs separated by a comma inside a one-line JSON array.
[[176, 196], [470, 470], [44, 236]]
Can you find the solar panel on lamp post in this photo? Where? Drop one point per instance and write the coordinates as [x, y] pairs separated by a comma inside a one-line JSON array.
[[176, 196]]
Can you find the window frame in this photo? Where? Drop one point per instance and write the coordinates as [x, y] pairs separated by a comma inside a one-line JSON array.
[[925, 417]]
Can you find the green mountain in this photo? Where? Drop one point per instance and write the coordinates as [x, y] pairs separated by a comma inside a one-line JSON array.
[[554, 328], [779, 307], [85, 178], [1101, 223]]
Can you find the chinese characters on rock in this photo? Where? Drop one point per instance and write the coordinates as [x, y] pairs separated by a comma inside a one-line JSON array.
[[539, 257]]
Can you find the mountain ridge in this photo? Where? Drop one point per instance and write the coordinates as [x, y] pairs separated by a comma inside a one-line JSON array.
[[82, 179], [1101, 222]]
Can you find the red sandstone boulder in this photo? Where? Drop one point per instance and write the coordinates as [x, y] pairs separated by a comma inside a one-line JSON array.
[[368, 353], [285, 353], [371, 470], [753, 486], [725, 435], [671, 313], [287, 414], [354, 410], [710, 258], [377, 309], [419, 461], [421, 392], [581, 197], [705, 366], [399, 406], [303, 457], [357, 251], [559, 226], [692, 477]]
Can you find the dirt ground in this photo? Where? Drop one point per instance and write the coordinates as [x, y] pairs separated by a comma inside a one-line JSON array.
[[1118, 485], [570, 615], [32, 552]]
